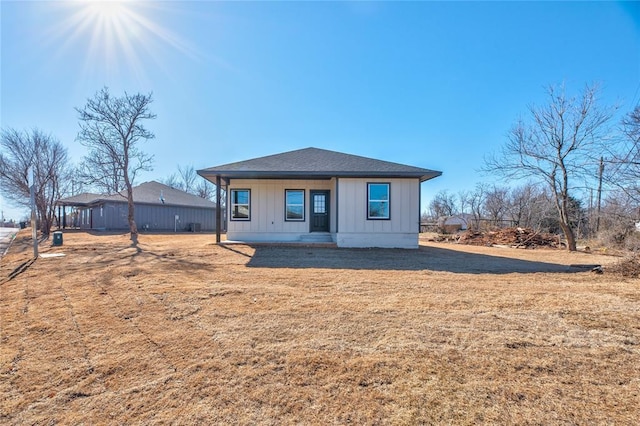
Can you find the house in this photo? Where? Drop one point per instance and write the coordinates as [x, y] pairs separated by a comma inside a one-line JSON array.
[[158, 207], [316, 195]]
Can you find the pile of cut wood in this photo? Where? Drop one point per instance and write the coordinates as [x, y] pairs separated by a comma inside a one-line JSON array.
[[510, 237]]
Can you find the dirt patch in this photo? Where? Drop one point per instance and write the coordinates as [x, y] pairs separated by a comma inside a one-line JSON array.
[[184, 330]]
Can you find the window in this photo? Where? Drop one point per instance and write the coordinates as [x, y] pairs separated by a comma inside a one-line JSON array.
[[294, 204], [378, 200], [240, 204], [320, 203]]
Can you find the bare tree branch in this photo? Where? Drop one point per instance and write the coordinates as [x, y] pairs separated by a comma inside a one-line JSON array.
[[624, 172], [561, 143], [186, 179], [111, 128], [42, 153]]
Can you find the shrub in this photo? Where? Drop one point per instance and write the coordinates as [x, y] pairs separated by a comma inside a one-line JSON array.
[[629, 267], [622, 236]]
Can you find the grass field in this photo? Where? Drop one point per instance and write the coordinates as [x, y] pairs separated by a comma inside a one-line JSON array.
[[185, 331]]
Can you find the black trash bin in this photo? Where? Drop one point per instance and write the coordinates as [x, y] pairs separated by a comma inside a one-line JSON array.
[[57, 238], [23, 225]]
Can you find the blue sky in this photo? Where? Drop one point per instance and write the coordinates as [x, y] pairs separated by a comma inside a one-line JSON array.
[[430, 84]]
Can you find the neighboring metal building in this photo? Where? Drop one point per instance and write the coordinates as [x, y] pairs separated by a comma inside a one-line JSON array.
[[158, 207]]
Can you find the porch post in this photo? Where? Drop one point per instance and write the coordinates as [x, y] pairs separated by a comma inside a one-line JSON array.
[[218, 211], [337, 206], [419, 207]]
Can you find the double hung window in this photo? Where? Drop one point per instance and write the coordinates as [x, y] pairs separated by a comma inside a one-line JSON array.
[[294, 204], [378, 200], [240, 204]]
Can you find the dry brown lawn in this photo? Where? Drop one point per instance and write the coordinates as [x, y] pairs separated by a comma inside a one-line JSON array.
[[184, 331]]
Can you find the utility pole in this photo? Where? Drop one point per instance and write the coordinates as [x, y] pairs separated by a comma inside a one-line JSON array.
[[601, 171], [591, 224], [34, 230]]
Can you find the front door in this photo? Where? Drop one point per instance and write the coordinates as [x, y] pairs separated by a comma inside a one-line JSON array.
[[319, 211]]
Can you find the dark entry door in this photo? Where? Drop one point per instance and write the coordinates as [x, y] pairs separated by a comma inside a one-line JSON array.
[[319, 211]]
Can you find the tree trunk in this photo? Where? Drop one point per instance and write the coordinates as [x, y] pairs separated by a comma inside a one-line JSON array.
[[569, 235], [45, 220], [133, 228], [562, 202]]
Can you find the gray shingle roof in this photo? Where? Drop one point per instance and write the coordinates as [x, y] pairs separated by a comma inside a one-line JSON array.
[[145, 193], [316, 163], [83, 199]]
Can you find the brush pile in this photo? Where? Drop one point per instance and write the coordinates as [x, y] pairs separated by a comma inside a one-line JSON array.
[[510, 237], [629, 267]]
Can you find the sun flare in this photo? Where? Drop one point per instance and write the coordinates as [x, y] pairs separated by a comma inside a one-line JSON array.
[[116, 38], [107, 10]]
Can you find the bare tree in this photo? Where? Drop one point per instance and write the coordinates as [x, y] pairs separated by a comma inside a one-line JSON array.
[[206, 189], [186, 179], [442, 205], [557, 147], [619, 217], [111, 128], [189, 176], [475, 201], [76, 181], [173, 181], [96, 172], [627, 170], [519, 205], [47, 158], [463, 200], [496, 204]]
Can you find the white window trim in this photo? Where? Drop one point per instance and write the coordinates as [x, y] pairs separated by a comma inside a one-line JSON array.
[[369, 201], [286, 205], [232, 205]]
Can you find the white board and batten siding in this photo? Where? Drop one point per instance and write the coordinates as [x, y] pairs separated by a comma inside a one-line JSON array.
[[399, 231], [268, 210], [348, 221]]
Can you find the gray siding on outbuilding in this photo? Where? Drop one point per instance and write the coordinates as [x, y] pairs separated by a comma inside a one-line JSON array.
[[113, 216], [104, 216], [156, 208], [99, 217], [162, 218]]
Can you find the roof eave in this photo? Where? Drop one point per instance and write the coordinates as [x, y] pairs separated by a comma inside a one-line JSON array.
[[234, 174], [430, 176]]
